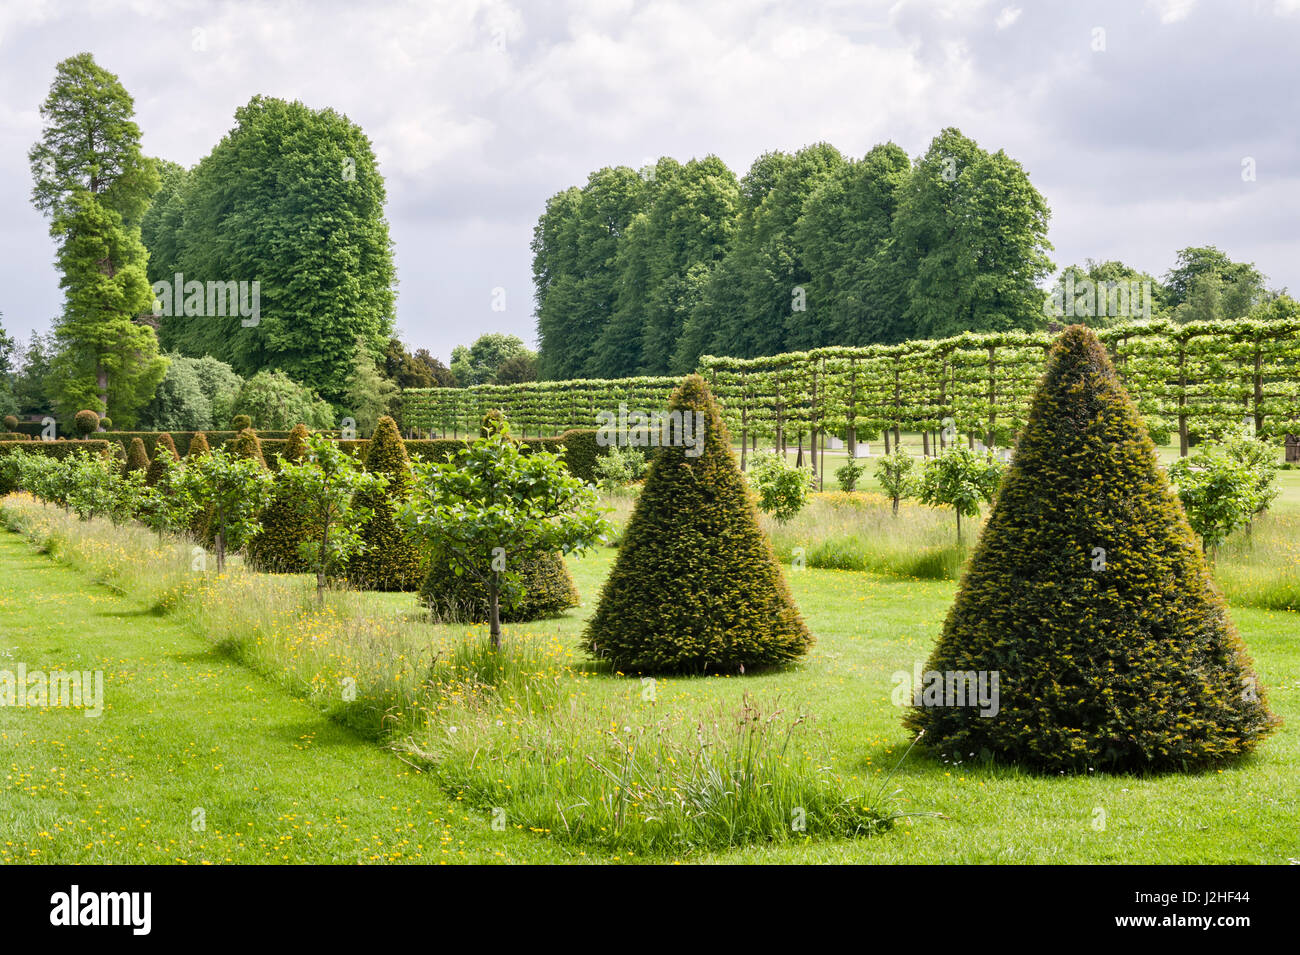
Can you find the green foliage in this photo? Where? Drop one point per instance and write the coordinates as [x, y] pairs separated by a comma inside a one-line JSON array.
[[285, 523], [961, 479], [137, 459], [164, 455], [287, 170], [277, 403], [10, 451], [896, 472], [241, 421], [848, 474], [228, 491], [162, 504], [542, 587], [198, 446], [1220, 492], [194, 395], [11, 422], [92, 181], [481, 362], [1089, 598], [620, 467], [86, 422], [328, 484], [696, 587], [783, 488], [246, 444], [388, 561], [494, 506], [368, 393], [1260, 458]]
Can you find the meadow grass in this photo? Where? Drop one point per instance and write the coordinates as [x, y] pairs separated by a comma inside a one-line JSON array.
[[574, 720]]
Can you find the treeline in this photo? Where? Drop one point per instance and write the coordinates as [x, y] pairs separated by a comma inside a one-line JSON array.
[[641, 273]]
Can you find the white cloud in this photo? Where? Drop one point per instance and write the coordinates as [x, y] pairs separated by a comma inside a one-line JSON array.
[[1008, 16], [1171, 11]]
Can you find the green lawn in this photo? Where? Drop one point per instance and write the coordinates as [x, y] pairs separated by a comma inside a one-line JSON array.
[[185, 727]]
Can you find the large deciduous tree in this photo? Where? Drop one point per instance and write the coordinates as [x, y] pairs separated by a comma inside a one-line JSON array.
[[292, 199]]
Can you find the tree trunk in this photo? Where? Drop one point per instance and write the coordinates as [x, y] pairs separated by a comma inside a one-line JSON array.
[[959, 527], [220, 540], [320, 564], [494, 610], [101, 380]]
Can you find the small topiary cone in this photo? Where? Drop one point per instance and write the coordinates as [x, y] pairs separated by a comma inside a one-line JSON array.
[[164, 450], [696, 587], [247, 444], [198, 445], [274, 548], [1090, 599], [390, 561], [137, 458]]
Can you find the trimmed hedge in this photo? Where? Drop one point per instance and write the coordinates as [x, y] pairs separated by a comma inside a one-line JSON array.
[[578, 448], [59, 449], [1089, 597], [546, 589], [390, 561], [696, 587]]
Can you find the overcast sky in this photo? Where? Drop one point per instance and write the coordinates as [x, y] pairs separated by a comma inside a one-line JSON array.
[[1133, 119]]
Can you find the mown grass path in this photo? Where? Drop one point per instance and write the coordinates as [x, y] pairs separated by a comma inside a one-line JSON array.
[[185, 729]]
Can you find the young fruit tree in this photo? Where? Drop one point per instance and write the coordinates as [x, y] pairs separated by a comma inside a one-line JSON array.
[[232, 490], [962, 479], [1220, 493], [492, 507], [326, 485], [782, 488], [896, 472]]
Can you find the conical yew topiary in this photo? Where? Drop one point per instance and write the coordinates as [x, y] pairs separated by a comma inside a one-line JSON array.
[[389, 561], [285, 525], [137, 458], [198, 445], [696, 587], [1089, 600], [247, 444], [164, 450]]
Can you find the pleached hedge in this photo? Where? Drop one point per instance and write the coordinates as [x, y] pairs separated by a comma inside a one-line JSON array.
[[1188, 381]]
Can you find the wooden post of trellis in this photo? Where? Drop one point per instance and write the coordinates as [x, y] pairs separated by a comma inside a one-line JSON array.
[[1259, 387], [780, 417], [852, 430], [815, 421], [1183, 445], [898, 397], [993, 410]]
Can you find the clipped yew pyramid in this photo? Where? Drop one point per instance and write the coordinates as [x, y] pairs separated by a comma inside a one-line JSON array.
[[696, 587], [285, 526], [389, 561], [1089, 598]]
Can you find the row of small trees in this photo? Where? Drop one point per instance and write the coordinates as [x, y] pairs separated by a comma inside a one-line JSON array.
[[385, 523]]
